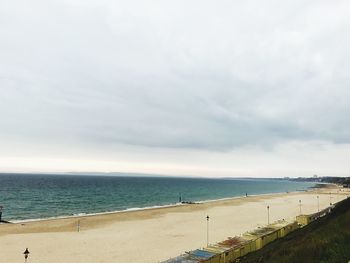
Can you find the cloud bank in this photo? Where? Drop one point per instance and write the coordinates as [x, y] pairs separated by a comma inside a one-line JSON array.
[[110, 85]]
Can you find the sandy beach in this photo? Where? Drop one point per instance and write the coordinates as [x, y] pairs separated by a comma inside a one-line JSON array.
[[152, 235]]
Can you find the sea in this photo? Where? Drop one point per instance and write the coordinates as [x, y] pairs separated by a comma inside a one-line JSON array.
[[26, 197]]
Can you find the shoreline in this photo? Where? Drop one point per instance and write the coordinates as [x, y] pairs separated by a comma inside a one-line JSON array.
[[140, 209], [104, 218]]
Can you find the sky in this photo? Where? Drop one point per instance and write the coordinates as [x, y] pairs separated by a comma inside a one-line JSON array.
[[204, 88]]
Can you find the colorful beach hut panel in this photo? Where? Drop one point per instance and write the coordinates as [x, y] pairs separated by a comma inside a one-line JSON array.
[[180, 259], [204, 256]]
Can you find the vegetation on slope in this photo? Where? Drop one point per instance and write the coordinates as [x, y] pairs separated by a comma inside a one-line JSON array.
[[324, 240]]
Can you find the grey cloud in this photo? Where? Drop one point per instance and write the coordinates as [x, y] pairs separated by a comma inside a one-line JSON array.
[[174, 74]]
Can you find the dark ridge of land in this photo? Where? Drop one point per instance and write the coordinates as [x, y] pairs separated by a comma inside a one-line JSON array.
[[324, 240], [344, 181]]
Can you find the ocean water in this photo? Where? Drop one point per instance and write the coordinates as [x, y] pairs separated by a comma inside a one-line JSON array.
[[28, 196]]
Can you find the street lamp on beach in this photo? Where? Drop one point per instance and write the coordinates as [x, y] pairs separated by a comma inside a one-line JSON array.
[[207, 230], [318, 203], [330, 198], [300, 207], [268, 214], [26, 254]]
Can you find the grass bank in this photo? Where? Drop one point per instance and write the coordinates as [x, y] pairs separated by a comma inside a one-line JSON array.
[[324, 240]]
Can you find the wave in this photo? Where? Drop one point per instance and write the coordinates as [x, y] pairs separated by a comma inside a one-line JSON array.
[[133, 209]]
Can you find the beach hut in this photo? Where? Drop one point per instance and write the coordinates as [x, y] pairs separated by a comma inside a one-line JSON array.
[[284, 227], [204, 256], [236, 247], [222, 252], [289, 228], [241, 246], [304, 220], [180, 259], [200, 256], [251, 242], [262, 236]]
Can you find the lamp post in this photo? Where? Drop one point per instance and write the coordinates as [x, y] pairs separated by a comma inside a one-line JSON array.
[[318, 203], [207, 230], [330, 198], [268, 214], [300, 207], [26, 254]]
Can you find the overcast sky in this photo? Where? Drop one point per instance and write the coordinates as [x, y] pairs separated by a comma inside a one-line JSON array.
[[185, 87]]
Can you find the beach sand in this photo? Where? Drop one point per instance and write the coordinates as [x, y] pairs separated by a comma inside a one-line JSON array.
[[152, 235]]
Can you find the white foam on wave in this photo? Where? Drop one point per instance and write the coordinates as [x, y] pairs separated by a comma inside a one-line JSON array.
[[132, 209]]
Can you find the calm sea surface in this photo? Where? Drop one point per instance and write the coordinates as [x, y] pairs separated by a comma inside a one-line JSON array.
[[28, 196]]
